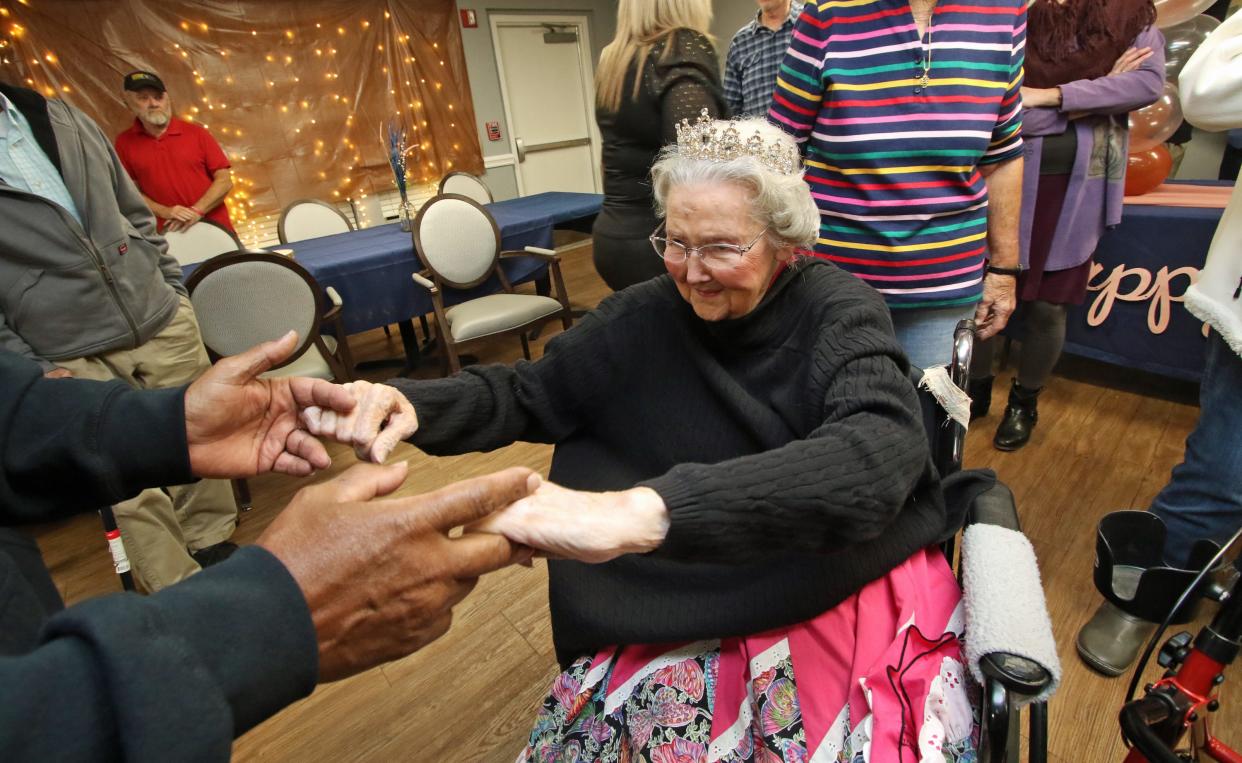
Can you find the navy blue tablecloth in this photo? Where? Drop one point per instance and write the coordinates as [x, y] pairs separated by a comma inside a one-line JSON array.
[[371, 268], [1133, 315]]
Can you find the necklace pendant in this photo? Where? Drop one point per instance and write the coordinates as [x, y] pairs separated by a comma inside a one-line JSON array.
[[923, 82]]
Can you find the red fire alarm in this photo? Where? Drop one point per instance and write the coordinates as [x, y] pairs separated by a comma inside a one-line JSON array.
[[493, 131], [469, 19]]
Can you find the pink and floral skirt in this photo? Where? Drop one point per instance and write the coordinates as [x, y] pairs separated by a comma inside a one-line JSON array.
[[877, 678]]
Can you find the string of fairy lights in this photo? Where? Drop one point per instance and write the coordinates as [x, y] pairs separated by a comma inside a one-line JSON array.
[[300, 67]]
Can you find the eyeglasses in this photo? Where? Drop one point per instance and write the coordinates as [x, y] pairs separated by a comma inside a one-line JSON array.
[[712, 255]]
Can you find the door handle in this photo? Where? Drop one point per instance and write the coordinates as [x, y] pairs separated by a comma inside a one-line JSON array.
[[571, 143], [521, 149]]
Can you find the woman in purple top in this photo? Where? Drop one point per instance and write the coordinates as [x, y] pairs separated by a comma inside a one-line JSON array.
[[1088, 63]]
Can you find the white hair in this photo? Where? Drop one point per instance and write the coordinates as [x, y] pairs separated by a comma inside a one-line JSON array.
[[780, 202]]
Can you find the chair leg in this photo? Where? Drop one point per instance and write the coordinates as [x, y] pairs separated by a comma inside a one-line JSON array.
[[451, 363], [241, 491], [567, 311], [340, 362], [387, 332], [422, 321], [450, 353], [525, 346]]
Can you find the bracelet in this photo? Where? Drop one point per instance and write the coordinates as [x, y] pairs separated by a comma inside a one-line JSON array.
[[1015, 272], [197, 211]]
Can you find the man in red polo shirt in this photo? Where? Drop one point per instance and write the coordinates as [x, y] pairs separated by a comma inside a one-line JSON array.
[[180, 169]]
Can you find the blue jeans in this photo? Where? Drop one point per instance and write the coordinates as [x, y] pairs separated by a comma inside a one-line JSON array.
[[927, 335], [1204, 497]]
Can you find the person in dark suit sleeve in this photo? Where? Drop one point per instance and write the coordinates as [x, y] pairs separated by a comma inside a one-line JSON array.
[[341, 581]]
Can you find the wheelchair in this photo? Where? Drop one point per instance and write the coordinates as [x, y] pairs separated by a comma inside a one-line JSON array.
[[1010, 681]]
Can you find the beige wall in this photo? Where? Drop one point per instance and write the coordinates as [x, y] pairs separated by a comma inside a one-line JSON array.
[[485, 78], [729, 16], [481, 56]]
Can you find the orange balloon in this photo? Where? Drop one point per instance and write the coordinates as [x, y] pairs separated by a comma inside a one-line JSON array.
[[1147, 169]]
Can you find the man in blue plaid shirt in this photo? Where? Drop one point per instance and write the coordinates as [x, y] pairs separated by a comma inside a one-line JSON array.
[[755, 57]]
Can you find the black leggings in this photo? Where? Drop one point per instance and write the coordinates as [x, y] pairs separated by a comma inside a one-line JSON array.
[[1041, 348]]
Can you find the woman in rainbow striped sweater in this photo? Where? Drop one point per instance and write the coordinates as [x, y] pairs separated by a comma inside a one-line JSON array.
[[909, 113]]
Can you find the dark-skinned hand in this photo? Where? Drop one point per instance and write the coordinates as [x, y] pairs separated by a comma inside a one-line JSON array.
[[239, 425], [381, 576]]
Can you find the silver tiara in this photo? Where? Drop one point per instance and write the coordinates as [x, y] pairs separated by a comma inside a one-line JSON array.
[[703, 140]]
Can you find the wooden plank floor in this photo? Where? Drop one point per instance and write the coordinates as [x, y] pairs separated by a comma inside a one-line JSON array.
[[1106, 440]]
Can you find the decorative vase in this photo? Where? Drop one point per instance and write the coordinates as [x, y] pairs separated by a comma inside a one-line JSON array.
[[405, 211]]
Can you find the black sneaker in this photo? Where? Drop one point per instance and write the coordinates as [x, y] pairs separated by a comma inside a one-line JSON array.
[[214, 554]]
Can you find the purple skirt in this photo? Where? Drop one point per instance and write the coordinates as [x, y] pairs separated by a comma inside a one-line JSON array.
[[1062, 287]]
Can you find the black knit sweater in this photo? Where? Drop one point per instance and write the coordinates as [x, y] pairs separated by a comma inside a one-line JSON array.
[[786, 444]]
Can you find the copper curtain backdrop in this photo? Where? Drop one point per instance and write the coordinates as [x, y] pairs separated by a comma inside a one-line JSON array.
[[296, 91]]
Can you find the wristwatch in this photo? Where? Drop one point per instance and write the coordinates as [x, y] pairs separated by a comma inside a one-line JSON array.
[[1015, 272]]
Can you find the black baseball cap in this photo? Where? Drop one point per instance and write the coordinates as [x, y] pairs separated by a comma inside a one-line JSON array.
[[136, 81]]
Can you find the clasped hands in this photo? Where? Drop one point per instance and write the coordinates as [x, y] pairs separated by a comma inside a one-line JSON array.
[[556, 522], [180, 218], [381, 575]]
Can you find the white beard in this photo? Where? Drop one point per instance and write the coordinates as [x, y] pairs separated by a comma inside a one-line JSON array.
[[157, 118]]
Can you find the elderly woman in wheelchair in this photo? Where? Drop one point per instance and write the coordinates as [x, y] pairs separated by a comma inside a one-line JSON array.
[[741, 514]]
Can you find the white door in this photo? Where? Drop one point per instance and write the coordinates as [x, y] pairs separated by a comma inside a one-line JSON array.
[[546, 83]]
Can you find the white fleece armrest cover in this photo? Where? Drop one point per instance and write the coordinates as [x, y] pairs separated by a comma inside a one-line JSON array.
[[1005, 606]]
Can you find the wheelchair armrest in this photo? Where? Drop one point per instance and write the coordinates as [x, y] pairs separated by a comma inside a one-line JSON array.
[[1009, 638], [995, 506], [1017, 674]]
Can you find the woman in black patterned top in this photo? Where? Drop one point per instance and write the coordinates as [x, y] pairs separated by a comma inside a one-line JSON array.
[[660, 68]]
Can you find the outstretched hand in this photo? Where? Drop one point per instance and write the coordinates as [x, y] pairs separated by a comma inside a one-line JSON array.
[[581, 525], [239, 425], [382, 418]]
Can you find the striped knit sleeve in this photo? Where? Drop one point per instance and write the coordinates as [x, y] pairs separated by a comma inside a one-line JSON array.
[[1007, 135], [799, 83]]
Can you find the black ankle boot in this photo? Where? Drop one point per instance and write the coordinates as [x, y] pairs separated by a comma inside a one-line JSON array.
[[1020, 417], [980, 391]]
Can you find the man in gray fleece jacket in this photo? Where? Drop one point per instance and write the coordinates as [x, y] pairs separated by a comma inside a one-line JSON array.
[[87, 289]]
